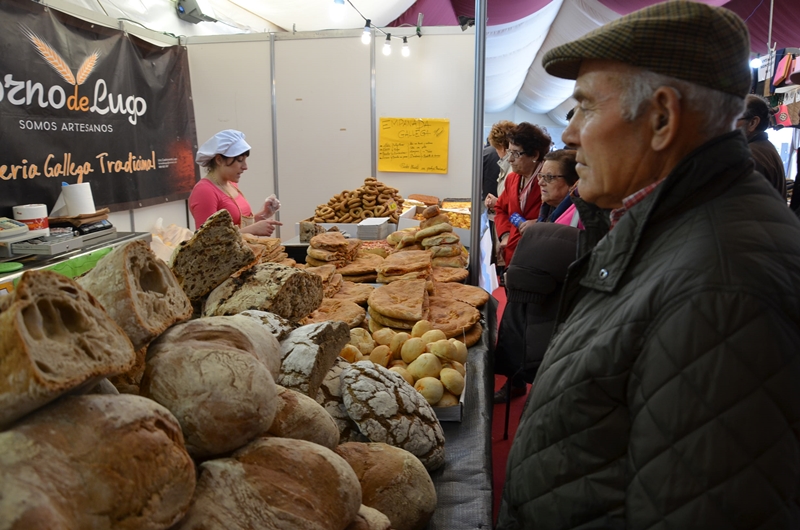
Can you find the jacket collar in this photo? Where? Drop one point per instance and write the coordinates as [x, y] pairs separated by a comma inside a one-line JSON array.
[[703, 174]]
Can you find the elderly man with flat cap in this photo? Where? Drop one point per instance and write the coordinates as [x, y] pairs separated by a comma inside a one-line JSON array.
[[669, 396]]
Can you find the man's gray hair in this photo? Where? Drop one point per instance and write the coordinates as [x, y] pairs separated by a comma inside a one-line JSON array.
[[719, 110]]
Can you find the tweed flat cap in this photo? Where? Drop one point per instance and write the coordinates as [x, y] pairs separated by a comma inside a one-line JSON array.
[[706, 45]]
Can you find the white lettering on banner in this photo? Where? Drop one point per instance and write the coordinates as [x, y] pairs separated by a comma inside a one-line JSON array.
[[135, 106], [28, 93]]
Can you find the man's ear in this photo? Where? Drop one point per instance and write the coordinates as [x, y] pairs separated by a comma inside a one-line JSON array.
[[665, 117], [752, 125]]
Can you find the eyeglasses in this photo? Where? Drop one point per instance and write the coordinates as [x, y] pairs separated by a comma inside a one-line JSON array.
[[514, 154], [549, 178]]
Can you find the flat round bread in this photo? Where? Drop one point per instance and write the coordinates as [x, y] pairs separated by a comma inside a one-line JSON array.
[[474, 296], [365, 263], [451, 316], [374, 326], [345, 311], [404, 299], [354, 292], [404, 262], [390, 322], [471, 336], [449, 274]]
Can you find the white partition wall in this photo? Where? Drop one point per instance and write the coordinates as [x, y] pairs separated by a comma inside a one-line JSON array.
[[323, 121], [437, 80], [231, 90]]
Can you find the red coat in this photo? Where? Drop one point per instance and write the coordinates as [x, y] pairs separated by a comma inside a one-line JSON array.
[[508, 203]]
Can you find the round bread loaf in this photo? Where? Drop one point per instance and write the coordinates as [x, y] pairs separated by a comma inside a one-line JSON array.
[[95, 461], [370, 519], [300, 417], [235, 332], [275, 484], [393, 481], [223, 398], [389, 410], [330, 397]]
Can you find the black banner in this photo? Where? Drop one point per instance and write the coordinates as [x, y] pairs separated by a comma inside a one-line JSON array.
[[80, 102]]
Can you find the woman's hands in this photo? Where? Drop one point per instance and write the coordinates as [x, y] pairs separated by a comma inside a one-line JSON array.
[[261, 228], [271, 205], [490, 201]]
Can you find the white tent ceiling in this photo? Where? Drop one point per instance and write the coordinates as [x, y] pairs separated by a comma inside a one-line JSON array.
[[514, 75]]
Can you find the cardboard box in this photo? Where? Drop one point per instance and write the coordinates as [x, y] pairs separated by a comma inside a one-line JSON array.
[[407, 221], [456, 412], [350, 228]]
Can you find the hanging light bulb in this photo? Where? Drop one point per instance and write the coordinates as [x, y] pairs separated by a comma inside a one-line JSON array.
[[755, 62], [366, 37], [337, 10], [387, 46], [405, 51]]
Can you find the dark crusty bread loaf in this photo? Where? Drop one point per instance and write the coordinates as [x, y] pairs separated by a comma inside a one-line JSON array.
[[330, 397], [54, 337], [275, 484], [300, 417], [138, 291], [97, 462], [286, 291], [309, 353], [223, 398], [393, 481], [387, 409], [234, 332], [209, 258]]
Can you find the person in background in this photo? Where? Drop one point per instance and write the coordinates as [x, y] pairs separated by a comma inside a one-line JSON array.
[[754, 122], [521, 199], [225, 155], [496, 166], [668, 395], [557, 179]]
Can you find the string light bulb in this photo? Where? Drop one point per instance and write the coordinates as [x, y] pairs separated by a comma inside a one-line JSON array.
[[366, 37], [387, 45], [337, 10], [405, 51]]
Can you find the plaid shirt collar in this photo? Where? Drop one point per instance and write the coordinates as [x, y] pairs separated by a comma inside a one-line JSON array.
[[630, 201]]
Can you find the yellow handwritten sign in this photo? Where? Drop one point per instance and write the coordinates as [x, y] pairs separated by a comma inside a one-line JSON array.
[[413, 145]]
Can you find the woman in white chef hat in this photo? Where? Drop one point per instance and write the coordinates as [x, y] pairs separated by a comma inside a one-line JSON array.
[[225, 155]]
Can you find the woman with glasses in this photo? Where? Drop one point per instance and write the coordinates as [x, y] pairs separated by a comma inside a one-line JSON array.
[[557, 179], [521, 199], [225, 155]]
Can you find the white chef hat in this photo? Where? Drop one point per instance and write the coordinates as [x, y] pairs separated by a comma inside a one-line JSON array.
[[226, 143]]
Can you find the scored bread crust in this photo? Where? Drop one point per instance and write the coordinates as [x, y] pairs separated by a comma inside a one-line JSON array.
[[139, 291], [54, 337], [95, 461], [286, 291], [211, 256]]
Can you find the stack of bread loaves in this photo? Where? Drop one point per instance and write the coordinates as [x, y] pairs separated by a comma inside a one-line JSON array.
[[411, 265], [331, 248], [363, 269], [436, 235], [227, 432], [331, 279], [268, 249]]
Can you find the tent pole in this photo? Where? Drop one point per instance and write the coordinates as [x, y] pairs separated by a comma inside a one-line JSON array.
[[477, 143]]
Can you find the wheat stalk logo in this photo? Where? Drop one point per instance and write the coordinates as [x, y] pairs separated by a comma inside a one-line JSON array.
[[58, 63]]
